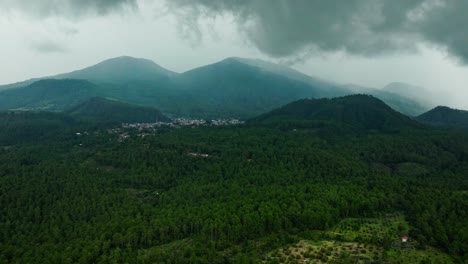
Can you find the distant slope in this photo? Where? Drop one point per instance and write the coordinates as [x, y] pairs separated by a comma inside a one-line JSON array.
[[120, 70], [424, 96], [47, 95], [234, 87], [401, 102], [23, 127], [325, 88], [104, 110], [445, 116], [354, 111], [405, 89]]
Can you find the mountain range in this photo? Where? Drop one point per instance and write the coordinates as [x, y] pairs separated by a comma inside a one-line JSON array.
[[234, 87]]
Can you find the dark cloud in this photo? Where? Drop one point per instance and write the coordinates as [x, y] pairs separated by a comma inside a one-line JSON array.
[[48, 47], [447, 26], [284, 28], [66, 8]]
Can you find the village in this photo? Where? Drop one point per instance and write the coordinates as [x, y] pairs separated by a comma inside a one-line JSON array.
[[184, 122], [146, 129]]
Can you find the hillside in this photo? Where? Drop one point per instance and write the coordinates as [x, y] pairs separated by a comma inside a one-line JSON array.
[[234, 87], [111, 111], [117, 71], [26, 126], [354, 111], [322, 87], [445, 116], [47, 95]]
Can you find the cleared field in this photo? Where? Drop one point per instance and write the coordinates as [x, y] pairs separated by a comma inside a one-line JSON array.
[[360, 240]]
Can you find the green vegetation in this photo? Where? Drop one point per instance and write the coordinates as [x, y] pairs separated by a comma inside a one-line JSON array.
[[349, 113], [108, 111], [47, 95], [30, 127], [98, 198], [445, 116]]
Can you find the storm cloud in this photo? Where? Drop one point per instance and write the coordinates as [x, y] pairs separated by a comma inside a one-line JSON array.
[[65, 8], [283, 28]]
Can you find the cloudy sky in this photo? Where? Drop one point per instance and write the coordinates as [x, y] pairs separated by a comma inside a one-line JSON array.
[[365, 42]]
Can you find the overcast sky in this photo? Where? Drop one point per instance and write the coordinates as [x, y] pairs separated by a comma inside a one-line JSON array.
[[365, 42]]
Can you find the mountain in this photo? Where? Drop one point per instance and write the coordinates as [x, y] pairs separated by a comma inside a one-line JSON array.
[[47, 95], [445, 116], [353, 111], [118, 70], [245, 88], [234, 87], [111, 111]]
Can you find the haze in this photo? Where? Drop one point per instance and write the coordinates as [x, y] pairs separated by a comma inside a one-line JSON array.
[[364, 42]]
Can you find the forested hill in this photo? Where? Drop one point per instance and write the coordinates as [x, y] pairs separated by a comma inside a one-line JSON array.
[[26, 127], [111, 111], [354, 111], [445, 116], [47, 95]]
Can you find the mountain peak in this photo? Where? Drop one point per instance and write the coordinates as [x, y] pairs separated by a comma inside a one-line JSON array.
[[127, 60], [120, 69], [444, 108]]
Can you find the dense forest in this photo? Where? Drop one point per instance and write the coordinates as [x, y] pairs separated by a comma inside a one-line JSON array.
[[445, 116], [231, 194]]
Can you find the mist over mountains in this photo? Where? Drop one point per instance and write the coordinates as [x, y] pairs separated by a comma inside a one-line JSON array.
[[234, 87]]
